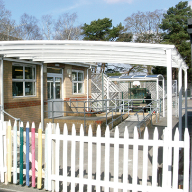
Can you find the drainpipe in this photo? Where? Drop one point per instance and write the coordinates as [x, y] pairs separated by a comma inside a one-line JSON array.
[[42, 99], [2, 91]]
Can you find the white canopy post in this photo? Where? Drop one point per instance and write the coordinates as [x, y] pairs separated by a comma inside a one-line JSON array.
[[108, 94], [2, 92], [169, 92], [180, 103], [157, 90], [163, 98], [169, 112], [42, 99], [186, 123], [87, 89]]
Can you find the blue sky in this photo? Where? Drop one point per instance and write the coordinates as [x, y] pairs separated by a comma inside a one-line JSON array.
[[87, 10]]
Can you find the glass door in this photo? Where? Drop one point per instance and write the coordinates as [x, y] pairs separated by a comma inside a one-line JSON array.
[[54, 94]]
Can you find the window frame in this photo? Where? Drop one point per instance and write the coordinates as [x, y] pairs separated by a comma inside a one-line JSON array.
[[24, 80], [77, 82]]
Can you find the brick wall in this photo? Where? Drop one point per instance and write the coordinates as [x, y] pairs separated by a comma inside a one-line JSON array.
[[25, 108]]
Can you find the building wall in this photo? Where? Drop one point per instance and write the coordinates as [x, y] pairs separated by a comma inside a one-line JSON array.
[[68, 89], [29, 108], [25, 108]]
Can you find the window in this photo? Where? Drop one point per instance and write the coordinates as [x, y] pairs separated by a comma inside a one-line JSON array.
[[23, 80], [78, 81]]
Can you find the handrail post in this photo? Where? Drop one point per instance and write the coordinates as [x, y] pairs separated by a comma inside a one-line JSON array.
[[52, 113], [84, 118], [112, 118], [123, 106], [106, 114]]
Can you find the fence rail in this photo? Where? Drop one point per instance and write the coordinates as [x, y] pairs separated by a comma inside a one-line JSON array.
[[94, 163]]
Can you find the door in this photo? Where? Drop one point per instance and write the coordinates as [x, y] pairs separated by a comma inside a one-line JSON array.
[[54, 94]]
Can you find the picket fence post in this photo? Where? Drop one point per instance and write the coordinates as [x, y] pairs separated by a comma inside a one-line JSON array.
[[125, 159], [98, 165], [116, 157], [27, 154], [65, 146], [176, 159], [57, 150], [49, 156], [33, 153], [107, 158], [53, 157], [1, 149], [81, 158], [145, 158], [46, 158], [165, 158], [155, 158], [15, 152], [186, 160], [135, 159], [21, 154], [90, 152], [39, 179], [9, 151]]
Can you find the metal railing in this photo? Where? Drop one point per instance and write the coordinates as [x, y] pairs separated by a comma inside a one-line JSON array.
[[154, 106], [107, 106], [3, 111]]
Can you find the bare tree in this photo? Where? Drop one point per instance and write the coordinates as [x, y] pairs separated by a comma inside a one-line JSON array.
[[65, 27], [145, 29], [7, 25], [29, 29], [145, 26], [47, 26]]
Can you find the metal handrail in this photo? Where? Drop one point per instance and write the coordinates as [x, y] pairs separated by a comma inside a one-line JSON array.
[[16, 119]]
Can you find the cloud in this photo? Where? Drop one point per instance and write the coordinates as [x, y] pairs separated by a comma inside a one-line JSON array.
[[190, 3], [72, 7], [118, 1]]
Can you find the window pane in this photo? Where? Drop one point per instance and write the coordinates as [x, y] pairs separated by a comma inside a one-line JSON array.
[[54, 70], [17, 72], [80, 87], [74, 76], [17, 88], [29, 73], [80, 76], [29, 88], [57, 90], [50, 90], [74, 87], [50, 79]]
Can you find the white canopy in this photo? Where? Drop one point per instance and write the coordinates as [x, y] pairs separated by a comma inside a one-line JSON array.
[[90, 52], [60, 51]]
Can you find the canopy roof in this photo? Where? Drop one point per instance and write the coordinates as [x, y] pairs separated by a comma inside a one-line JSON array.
[[62, 51], [137, 78]]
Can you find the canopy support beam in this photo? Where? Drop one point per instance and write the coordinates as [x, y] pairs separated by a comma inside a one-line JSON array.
[[2, 91], [180, 103], [186, 123], [42, 99]]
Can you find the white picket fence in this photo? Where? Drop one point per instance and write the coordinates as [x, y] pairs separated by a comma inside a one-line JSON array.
[[96, 163], [3, 151], [76, 162]]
